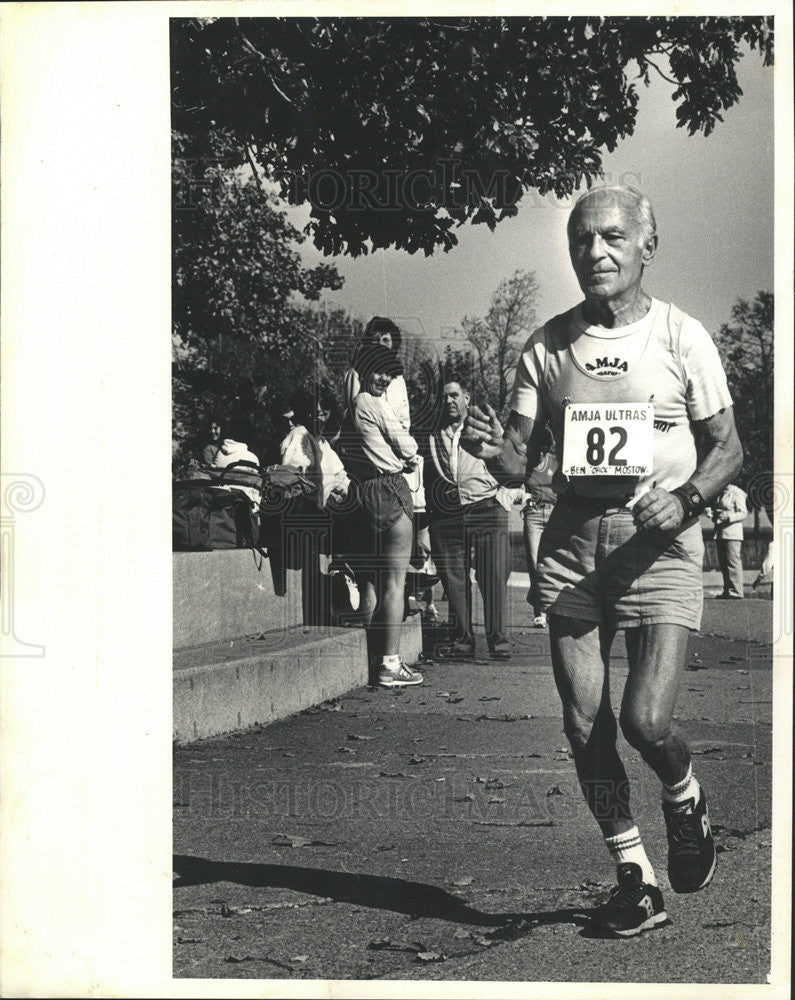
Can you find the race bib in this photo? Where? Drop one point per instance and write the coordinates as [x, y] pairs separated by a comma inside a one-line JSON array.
[[614, 439]]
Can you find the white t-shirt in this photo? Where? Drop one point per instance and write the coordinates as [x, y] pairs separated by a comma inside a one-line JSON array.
[[666, 358]]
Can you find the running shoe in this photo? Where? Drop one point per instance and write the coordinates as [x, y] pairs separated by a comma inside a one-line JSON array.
[[402, 676], [691, 850], [633, 905]]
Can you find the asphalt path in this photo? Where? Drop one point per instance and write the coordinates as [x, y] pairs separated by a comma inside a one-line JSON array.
[[438, 833]]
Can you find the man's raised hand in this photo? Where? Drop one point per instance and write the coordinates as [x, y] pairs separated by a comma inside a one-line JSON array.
[[482, 435]]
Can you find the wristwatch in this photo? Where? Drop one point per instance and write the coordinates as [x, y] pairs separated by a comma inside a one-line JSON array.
[[692, 501]]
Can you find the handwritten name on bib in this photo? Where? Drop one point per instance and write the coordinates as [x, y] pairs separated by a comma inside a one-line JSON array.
[[616, 439]]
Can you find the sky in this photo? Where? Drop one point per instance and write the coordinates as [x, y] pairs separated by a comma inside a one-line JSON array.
[[713, 200]]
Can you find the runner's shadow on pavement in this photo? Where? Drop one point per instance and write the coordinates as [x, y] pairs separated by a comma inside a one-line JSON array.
[[380, 892]]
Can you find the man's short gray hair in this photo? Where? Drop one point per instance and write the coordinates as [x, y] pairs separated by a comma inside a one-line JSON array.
[[648, 223]]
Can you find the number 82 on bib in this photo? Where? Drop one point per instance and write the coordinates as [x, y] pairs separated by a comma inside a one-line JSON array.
[[608, 440]]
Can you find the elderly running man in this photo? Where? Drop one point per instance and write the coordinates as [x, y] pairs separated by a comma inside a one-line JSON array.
[[636, 397]]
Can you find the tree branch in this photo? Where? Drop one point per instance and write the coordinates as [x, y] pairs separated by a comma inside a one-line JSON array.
[[253, 166], [250, 47], [648, 62]]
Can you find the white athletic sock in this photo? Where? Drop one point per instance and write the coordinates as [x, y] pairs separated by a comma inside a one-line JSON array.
[[627, 846], [687, 788], [390, 662]]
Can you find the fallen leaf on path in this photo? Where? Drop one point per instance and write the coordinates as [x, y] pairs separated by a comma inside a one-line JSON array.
[[391, 774], [460, 933], [494, 800], [416, 759], [466, 880], [554, 790], [395, 944], [287, 840], [354, 736], [345, 750], [299, 958], [490, 697], [510, 931], [431, 956], [453, 701], [465, 798]]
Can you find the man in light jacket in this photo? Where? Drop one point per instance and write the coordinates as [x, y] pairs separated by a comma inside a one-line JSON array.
[[728, 512]]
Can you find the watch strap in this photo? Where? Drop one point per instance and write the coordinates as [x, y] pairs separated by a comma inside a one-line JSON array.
[[692, 501]]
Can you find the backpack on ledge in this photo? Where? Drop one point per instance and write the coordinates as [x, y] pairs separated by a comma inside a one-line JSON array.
[[208, 517]]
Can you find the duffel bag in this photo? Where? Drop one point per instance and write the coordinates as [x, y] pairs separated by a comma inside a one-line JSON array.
[[210, 517], [281, 484], [190, 517]]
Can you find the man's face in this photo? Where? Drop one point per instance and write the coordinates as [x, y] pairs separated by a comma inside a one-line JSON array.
[[456, 402], [606, 246]]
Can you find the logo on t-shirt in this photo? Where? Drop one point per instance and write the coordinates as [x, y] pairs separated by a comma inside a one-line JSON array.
[[606, 367]]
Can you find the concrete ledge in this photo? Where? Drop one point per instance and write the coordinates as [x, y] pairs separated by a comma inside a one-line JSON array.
[[223, 595], [226, 686]]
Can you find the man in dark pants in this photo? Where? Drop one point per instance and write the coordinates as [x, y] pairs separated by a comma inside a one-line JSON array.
[[468, 528]]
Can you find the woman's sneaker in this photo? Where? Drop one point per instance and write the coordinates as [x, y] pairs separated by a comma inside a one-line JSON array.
[[402, 676], [691, 850], [633, 905]]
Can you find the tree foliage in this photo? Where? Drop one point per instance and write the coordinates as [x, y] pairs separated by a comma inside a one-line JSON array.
[[243, 335], [489, 355], [746, 347], [396, 130]]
